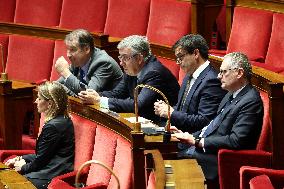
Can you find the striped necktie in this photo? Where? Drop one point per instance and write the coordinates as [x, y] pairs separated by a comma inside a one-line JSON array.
[[186, 91]]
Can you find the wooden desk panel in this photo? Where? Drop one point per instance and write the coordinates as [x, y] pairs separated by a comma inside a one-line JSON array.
[[16, 99], [13, 180]]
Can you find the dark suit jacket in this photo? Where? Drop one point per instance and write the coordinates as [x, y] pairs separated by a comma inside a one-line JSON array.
[[103, 74], [153, 74], [201, 103], [54, 150], [239, 128]]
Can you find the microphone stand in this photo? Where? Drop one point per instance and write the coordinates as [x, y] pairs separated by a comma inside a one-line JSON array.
[[137, 127], [4, 76]]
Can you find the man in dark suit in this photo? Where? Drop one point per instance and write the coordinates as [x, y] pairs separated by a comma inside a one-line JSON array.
[[140, 67], [200, 93], [91, 68], [239, 118]]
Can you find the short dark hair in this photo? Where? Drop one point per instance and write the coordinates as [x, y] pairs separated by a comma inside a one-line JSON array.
[[83, 37], [191, 42]]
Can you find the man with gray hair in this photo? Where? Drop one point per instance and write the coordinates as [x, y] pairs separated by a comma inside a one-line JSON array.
[[140, 67], [91, 68], [239, 117]]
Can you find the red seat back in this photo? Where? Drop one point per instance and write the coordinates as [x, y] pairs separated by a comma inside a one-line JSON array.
[[276, 45], [171, 65], [59, 50], [127, 17], [265, 138], [169, 20], [7, 11], [39, 12], [85, 132], [29, 58], [246, 34], [115, 152], [89, 15]]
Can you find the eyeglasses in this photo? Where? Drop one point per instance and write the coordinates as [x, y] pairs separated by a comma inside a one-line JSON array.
[[125, 58], [180, 58], [223, 72]]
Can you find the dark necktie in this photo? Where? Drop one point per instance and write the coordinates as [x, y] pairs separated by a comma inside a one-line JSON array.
[[213, 124], [186, 90], [82, 75]]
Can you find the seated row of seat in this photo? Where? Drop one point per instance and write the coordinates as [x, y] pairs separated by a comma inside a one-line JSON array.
[[259, 34], [162, 21]]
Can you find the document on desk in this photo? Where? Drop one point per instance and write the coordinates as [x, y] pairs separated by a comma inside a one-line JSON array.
[[144, 122]]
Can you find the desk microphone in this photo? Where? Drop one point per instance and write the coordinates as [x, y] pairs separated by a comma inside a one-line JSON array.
[[4, 75]]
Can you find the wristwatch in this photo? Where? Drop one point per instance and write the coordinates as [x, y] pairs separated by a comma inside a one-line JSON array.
[[196, 141]]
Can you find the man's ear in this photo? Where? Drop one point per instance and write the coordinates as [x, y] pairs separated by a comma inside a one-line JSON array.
[[241, 73], [87, 49]]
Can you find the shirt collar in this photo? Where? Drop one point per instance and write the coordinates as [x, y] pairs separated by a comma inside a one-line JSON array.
[[237, 92], [200, 69]]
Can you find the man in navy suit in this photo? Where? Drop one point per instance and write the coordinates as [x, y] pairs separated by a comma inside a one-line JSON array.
[[239, 118], [140, 67], [200, 93]]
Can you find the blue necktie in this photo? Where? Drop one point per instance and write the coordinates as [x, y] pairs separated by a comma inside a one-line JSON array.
[[82, 75], [213, 124]]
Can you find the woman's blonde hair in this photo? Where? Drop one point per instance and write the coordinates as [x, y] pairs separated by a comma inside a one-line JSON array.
[[54, 92]]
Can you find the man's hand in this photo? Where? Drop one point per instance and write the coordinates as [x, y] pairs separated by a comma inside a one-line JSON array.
[[11, 161], [89, 96], [185, 138], [62, 67], [161, 109]]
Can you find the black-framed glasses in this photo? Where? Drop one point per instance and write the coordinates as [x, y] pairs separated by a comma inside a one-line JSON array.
[[223, 72], [125, 58], [180, 58]]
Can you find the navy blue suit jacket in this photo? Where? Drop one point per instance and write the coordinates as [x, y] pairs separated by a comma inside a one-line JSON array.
[[201, 103], [238, 128], [153, 74]]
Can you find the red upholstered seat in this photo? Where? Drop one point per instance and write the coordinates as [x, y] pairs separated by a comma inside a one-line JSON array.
[[127, 17], [171, 65], [109, 148], [89, 14], [39, 12], [29, 58], [59, 50], [246, 34], [273, 61], [261, 182], [230, 161], [165, 20], [261, 178], [7, 11]]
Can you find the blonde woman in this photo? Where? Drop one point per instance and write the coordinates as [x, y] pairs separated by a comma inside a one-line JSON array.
[[54, 153]]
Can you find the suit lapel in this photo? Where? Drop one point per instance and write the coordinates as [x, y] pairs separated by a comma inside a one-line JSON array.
[[195, 86], [232, 105], [182, 90]]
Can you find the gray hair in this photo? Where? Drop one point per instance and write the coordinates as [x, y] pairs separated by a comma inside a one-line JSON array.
[[240, 60], [82, 37], [138, 45]]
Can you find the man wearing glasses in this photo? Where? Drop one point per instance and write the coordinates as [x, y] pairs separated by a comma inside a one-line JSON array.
[[238, 122], [140, 67], [200, 93], [91, 68]]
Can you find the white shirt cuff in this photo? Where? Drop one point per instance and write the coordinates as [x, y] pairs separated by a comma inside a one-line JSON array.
[[104, 102]]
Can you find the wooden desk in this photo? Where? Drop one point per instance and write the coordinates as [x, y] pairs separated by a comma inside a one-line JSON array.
[[186, 174], [13, 180], [16, 99]]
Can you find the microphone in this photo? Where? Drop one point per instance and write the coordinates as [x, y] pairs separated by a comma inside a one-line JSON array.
[[137, 126], [4, 76]]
